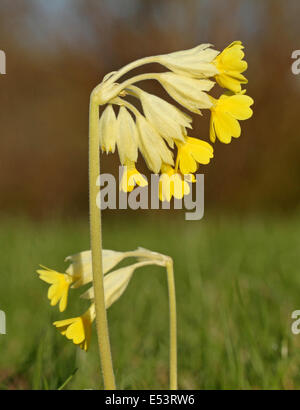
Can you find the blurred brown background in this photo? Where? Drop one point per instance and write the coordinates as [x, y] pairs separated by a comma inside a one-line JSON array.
[[58, 50]]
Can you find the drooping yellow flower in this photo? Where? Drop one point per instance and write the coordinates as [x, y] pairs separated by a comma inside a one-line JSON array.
[[193, 152], [231, 65], [78, 329], [60, 284], [155, 132], [225, 113], [172, 183], [131, 177], [79, 273]]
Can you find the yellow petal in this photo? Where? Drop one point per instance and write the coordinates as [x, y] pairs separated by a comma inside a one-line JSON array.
[[60, 284], [187, 163], [193, 151], [78, 329], [131, 177], [226, 127], [230, 65], [212, 132], [238, 106]]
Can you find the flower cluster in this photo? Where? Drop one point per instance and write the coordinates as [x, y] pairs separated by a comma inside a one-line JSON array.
[[160, 133], [79, 273]]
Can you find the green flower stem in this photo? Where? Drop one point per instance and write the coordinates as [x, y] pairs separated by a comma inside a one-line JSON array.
[[173, 325], [96, 247]]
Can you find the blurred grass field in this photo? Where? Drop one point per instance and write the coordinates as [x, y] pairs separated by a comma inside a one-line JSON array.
[[237, 285]]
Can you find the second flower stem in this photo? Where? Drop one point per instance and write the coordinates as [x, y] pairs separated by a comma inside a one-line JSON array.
[[96, 247], [173, 325]]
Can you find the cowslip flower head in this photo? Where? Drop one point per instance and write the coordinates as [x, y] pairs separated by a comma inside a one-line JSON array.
[[157, 128], [131, 177], [230, 65], [192, 153], [225, 113], [79, 272]]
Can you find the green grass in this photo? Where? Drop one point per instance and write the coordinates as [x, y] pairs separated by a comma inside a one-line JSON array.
[[238, 282]]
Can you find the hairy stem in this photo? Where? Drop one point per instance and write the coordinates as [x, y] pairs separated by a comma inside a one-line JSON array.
[[96, 247], [135, 79], [129, 67], [173, 325]]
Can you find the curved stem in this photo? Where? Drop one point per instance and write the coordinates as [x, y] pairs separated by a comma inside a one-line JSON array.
[[173, 325], [135, 79], [125, 103], [96, 247], [131, 66]]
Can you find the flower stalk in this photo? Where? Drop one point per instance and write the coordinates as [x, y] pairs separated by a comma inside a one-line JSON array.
[[96, 247], [173, 324]]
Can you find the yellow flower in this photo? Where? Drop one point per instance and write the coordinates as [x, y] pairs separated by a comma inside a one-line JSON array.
[[193, 152], [231, 65], [60, 284], [78, 273], [225, 113], [131, 177], [78, 329], [172, 183]]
